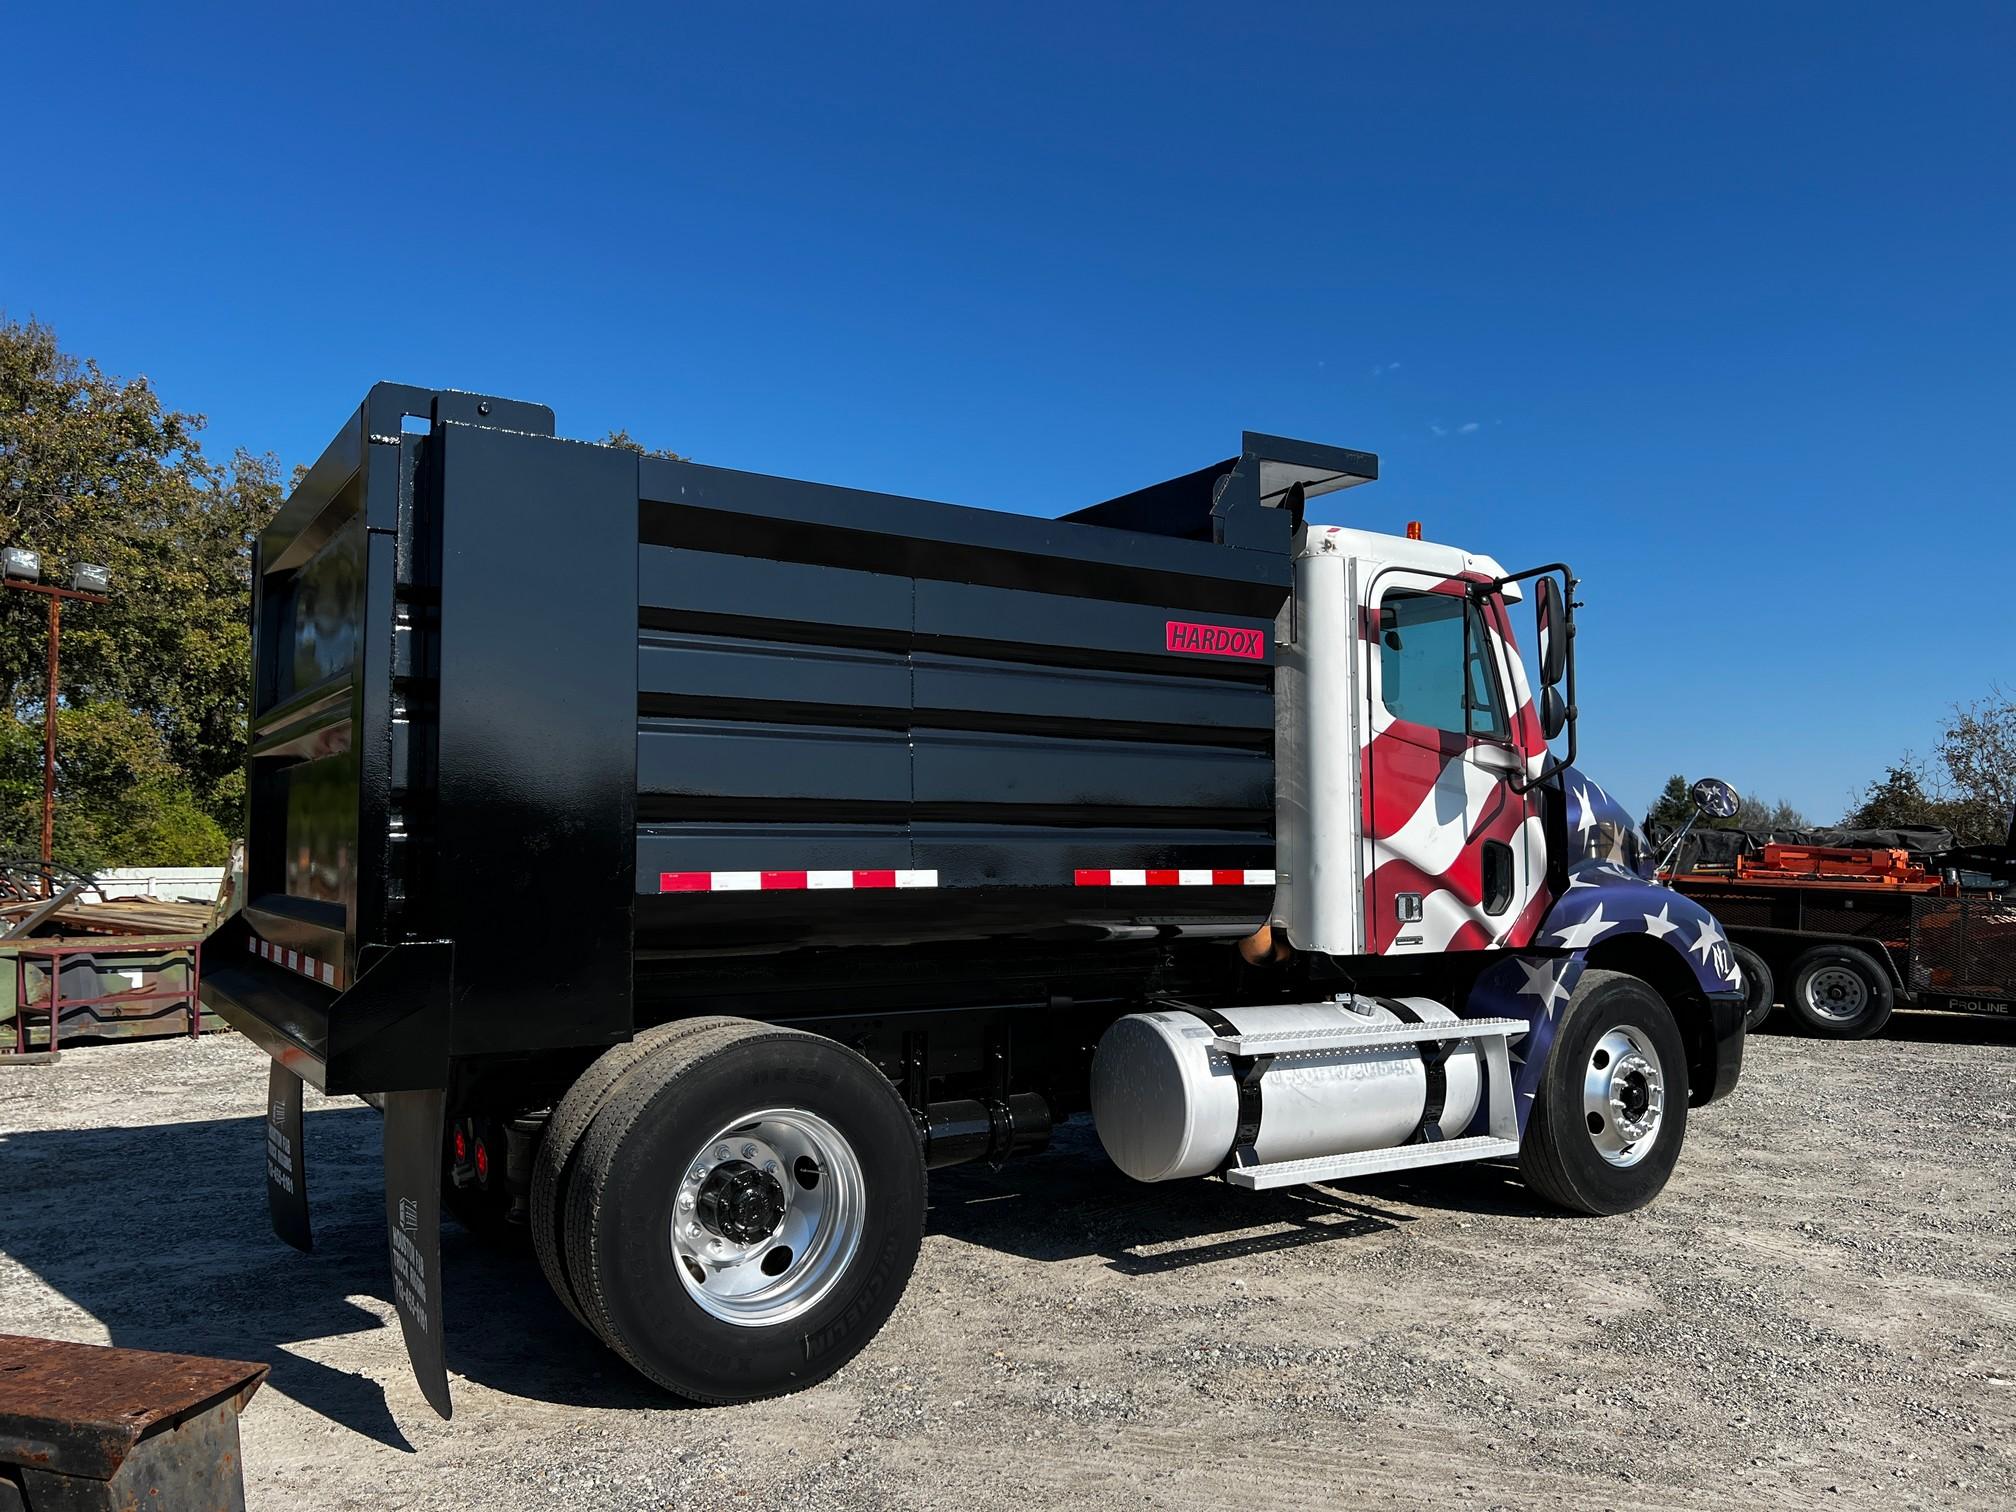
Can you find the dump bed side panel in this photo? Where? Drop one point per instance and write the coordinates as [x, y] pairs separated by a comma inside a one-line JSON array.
[[880, 721]]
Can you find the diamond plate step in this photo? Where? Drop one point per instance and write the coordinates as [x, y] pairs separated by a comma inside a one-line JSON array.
[[1365, 1036], [1282, 1173]]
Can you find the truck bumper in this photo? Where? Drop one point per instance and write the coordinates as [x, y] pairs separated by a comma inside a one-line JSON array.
[[1720, 1061]]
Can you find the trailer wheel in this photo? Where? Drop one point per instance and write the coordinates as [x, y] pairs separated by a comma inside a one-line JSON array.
[[1611, 1112], [559, 1147], [747, 1209], [1760, 988], [1842, 992]]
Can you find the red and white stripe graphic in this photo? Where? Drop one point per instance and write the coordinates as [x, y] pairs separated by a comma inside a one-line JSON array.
[[315, 970], [1164, 877], [790, 881]]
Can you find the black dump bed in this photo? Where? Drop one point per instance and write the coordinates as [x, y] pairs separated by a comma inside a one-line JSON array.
[[551, 739]]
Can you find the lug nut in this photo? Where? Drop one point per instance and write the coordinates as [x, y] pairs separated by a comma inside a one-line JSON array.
[[748, 1152]]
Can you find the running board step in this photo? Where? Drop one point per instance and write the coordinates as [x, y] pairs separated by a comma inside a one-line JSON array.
[[1365, 1036], [1282, 1173]]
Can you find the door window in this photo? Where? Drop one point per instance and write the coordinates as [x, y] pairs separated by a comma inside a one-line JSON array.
[[1432, 648]]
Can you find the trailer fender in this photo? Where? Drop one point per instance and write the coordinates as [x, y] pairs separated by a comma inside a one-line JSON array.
[[414, 1127]]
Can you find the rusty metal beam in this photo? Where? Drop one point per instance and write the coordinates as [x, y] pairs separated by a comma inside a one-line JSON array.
[[86, 1426]]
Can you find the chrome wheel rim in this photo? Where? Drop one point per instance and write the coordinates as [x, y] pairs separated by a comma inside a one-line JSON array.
[[1624, 1096], [1837, 993], [767, 1217]]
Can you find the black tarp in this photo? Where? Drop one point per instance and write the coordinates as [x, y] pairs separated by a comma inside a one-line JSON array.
[[1717, 849]]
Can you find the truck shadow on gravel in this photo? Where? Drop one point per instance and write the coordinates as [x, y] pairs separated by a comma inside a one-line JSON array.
[[1071, 1202], [160, 1233]]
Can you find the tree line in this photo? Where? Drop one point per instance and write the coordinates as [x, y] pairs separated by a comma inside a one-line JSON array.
[[151, 713], [1967, 785]]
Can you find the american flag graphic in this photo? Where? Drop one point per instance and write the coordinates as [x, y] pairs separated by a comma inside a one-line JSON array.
[[1431, 807], [1610, 894]]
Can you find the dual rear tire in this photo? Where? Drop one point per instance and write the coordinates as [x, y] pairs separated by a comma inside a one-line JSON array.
[[732, 1207]]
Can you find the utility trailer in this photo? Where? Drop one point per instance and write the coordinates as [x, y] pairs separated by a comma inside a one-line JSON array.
[[687, 860], [1854, 932]]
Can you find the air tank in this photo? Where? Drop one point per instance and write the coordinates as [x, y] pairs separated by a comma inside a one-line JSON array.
[[1167, 1105]]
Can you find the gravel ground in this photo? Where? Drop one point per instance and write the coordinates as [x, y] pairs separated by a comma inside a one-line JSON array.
[[1821, 1308]]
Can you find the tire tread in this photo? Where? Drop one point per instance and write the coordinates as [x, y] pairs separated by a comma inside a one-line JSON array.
[[1543, 1156], [560, 1146]]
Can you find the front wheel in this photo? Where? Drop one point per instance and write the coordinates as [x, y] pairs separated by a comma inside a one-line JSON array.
[[1611, 1110]]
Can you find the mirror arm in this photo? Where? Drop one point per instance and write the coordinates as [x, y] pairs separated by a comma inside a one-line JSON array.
[[1554, 765]]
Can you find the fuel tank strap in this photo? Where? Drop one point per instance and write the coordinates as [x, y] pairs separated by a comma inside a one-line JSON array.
[[1434, 1062], [1250, 1073]]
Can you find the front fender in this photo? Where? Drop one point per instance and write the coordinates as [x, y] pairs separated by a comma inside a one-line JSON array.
[[1611, 917]]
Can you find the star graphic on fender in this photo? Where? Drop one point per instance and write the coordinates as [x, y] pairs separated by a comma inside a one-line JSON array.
[[1587, 821], [1710, 938], [1660, 925], [1579, 881], [1577, 936], [1543, 982]]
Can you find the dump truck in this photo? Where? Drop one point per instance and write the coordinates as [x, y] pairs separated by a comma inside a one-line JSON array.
[[686, 861]]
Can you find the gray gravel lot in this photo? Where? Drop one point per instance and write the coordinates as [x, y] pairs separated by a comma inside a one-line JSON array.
[[1821, 1308]]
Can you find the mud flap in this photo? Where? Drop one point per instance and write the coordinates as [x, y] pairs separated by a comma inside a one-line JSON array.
[[413, 1132], [286, 1164]]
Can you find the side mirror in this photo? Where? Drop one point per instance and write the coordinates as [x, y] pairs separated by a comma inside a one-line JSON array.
[[1715, 798], [1550, 621], [1553, 712]]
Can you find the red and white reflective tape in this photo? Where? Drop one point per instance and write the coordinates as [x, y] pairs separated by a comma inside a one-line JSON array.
[[1173, 878], [294, 960], [790, 881]]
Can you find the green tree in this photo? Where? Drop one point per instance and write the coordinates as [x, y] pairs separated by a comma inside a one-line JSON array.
[[625, 441], [1671, 808], [1977, 749], [95, 468], [1676, 802], [1969, 785], [1757, 815], [1898, 797]]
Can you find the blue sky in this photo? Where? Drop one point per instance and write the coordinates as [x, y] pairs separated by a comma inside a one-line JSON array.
[[1714, 301]]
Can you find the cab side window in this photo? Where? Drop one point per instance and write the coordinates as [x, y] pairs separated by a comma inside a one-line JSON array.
[[1424, 669]]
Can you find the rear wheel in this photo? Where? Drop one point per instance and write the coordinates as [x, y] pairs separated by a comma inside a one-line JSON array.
[[1611, 1110], [560, 1146], [1760, 988], [1841, 992], [747, 1209]]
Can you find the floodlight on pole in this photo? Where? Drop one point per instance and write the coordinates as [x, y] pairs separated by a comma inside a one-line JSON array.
[[89, 584]]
